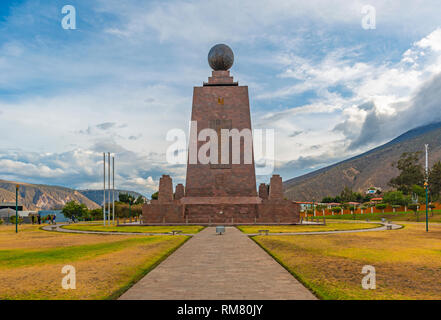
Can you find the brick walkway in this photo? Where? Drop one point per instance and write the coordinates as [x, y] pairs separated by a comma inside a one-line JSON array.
[[211, 266]]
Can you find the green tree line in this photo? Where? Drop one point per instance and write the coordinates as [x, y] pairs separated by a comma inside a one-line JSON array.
[[127, 206]]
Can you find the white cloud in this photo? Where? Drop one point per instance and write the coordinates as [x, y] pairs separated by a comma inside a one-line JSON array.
[[385, 100], [126, 77]]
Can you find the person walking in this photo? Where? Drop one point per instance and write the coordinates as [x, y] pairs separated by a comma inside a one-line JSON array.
[[39, 219]]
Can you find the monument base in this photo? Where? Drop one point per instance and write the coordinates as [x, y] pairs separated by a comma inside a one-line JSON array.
[[218, 210]]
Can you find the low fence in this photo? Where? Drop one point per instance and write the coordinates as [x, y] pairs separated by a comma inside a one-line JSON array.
[[369, 210]]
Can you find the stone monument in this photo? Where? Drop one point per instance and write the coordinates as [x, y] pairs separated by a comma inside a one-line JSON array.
[[222, 191]]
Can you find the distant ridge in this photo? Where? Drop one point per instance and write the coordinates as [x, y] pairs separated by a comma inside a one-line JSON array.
[[38, 196], [371, 168], [97, 196]]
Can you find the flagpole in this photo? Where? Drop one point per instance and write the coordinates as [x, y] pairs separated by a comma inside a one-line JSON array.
[[426, 185], [113, 187], [108, 169], [104, 190]]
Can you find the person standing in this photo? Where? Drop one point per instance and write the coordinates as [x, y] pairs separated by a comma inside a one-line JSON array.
[[39, 219]]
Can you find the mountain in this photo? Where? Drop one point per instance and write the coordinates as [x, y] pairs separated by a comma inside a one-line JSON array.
[[370, 169], [97, 195], [36, 196], [7, 196]]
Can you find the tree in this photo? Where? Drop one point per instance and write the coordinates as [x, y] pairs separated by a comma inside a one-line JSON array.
[[411, 172], [327, 200], [435, 180], [123, 210], [12, 219], [139, 200], [336, 209], [347, 195], [395, 198], [96, 214], [155, 195], [74, 210], [125, 198], [419, 191]]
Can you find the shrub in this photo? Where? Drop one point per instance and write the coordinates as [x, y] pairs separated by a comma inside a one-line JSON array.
[[12, 219], [123, 210], [336, 209]]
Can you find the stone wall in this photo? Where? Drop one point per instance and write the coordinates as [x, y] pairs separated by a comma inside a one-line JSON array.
[[281, 211]]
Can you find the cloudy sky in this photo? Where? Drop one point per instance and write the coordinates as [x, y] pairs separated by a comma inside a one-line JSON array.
[[124, 77]]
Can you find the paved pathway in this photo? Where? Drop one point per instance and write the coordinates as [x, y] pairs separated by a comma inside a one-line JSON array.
[[211, 266]]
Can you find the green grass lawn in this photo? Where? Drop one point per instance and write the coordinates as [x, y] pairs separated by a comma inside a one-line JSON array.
[[138, 229], [407, 262], [330, 226], [22, 257], [397, 216], [106, 265]]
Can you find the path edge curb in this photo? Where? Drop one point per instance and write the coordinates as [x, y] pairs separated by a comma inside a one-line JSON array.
[[296, 276], [119, 292]]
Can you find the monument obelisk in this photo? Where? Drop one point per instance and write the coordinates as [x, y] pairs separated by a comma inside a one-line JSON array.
[[221, 104], [223, 189]]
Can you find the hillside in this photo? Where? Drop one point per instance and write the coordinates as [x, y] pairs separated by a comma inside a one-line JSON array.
[[34, 196], [372, 168], [7, 196], [97, 195]]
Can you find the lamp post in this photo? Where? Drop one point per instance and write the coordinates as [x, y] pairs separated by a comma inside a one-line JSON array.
[[16, 208], [104, 189], [426, 186], [113, 189], [130, 207]]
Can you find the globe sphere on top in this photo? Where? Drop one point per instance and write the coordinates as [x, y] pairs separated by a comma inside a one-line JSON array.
[[220, 57]]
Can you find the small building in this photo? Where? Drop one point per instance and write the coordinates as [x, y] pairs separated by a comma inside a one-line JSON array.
[[10, 205], [304, 205], [333, 204], [373, 190], [7, 213], [354, 204], [376, 200]]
